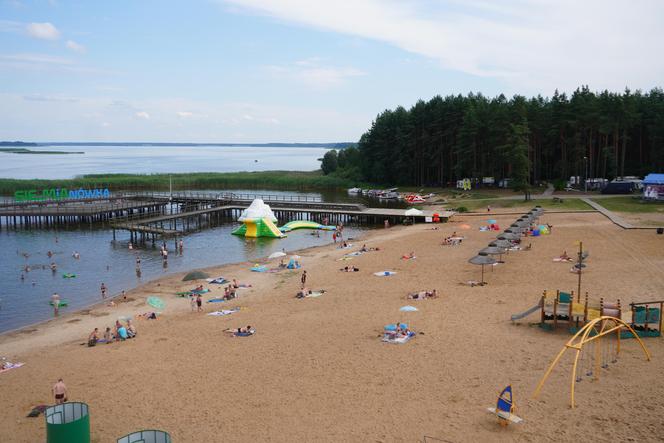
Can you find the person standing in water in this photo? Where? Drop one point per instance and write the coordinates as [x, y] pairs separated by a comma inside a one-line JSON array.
[[55, 300], [181, 245], [103, 290]]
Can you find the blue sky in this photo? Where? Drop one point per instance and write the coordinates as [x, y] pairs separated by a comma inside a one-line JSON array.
[[297, 70]]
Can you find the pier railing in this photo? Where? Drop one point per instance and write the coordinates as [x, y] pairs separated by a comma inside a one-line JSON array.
[[220, 196]]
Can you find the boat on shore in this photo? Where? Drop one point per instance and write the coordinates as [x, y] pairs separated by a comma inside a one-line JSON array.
[[355, 191]]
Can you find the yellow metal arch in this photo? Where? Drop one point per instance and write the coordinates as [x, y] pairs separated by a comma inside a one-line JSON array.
[[581, 338]]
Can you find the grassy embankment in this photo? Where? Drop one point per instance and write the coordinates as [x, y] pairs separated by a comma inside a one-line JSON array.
[[282, 180], [631, 204], [568, 204]]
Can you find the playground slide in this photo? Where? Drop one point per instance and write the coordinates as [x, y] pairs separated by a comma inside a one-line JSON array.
[[526, 313]]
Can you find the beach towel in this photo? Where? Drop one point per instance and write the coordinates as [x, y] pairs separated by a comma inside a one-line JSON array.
[[11, 366], [345, 258], [216, 300], [223, 312], [244, 334], [217, 281], [558, 259], [401, 339], [407, 257], [353, 254], [259, 269], [384, 273], [315, 294]]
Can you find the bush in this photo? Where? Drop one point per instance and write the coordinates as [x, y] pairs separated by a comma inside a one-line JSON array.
[[461, 209], [559, 185]]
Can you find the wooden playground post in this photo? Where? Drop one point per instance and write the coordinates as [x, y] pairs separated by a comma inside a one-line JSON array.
[[542, 315], [585, 310], [555, 310]]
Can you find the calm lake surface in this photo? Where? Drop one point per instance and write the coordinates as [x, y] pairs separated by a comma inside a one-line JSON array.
[[26, 301], [155, 159]]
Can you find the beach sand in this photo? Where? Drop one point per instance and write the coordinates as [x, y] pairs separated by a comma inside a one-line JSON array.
[[316, 369]]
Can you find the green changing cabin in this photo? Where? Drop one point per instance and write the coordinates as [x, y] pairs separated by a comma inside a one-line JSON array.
[[68, 423]]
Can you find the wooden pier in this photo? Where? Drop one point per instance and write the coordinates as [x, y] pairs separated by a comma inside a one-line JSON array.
[[149, 215]]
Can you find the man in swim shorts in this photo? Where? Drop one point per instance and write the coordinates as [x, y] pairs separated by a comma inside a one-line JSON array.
[[304, 278], [60, 392]]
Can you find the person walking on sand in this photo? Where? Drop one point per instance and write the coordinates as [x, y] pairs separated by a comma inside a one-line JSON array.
[[60, 392], [199, 302], [192, 301], [304, 278], [103, 290]]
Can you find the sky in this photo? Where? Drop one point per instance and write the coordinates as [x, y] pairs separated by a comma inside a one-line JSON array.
[[254, 71]]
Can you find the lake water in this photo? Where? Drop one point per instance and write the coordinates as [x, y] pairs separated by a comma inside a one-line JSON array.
[[24, 302], [156, 159]]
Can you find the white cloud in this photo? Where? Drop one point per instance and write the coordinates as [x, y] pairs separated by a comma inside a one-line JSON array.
[[314, 74], [534, 45], [44, 31], [76, 47], [185, 114], [144, 115]]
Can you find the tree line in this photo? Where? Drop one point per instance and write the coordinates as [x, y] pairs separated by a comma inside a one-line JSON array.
[[529, 140]]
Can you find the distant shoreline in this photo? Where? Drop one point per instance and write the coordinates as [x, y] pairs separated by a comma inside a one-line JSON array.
[[331, 145], [30, 151]]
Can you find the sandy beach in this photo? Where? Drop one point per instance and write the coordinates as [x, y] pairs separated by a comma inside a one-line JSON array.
[[316, 369]]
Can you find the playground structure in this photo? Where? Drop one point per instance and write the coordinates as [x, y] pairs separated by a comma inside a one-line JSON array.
[[305, 224], [597, 345], [258, 221], [563, 308], [505, 408]]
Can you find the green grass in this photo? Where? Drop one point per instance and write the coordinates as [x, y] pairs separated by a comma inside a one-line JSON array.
[[283, 180], [630, 204], [569, 204]]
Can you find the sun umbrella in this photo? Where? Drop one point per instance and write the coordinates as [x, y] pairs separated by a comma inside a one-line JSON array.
[[494, 250], [504, 244], [408, 309], [156, 302], [276, 254], [482, 260], [195, 275], [508, 236]]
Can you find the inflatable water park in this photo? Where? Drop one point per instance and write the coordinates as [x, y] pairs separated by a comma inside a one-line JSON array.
[[258, 220]]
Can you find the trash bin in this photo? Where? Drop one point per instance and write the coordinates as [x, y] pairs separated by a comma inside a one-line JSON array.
[[68, 423], [146, 436]]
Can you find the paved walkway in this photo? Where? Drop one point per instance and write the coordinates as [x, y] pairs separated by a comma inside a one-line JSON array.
[[608, 214]]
